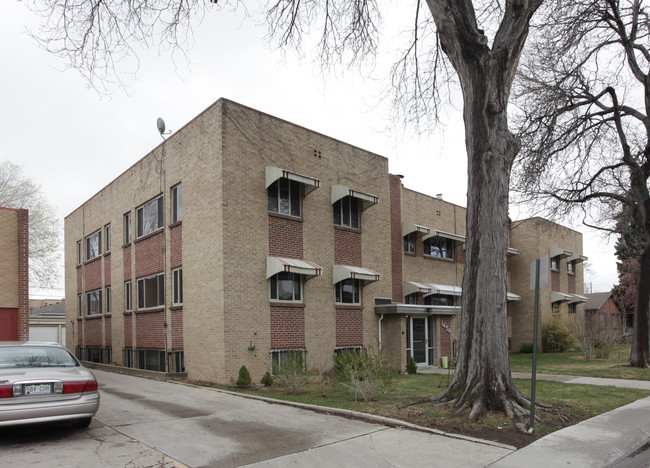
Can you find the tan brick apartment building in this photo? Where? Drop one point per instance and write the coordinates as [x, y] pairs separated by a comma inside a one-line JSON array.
[[14, 274], [243, 238]]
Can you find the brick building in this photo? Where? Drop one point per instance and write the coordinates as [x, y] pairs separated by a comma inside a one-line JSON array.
[[602, 307], [14, 274], [244, 239]]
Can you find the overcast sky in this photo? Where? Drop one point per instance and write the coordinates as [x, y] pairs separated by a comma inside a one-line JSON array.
[[73, 141]]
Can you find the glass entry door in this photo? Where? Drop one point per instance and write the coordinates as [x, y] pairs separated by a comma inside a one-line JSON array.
[[420, 343]]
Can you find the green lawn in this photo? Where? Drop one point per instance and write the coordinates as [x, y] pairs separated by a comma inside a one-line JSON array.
[[574, 363]]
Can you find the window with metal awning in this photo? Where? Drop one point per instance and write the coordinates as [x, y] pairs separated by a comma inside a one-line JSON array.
[[408, 228], [275, 265], [344, 272], [339, 192], [577, 258], [560, 297], [274, 173], [512, 297], [446, 235], [427, 289], [576, 298], [557, 252]]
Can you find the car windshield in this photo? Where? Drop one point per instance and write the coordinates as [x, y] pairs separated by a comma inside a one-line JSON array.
[[35, 356]]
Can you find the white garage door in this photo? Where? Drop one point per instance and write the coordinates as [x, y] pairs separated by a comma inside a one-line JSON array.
[[43, 334]]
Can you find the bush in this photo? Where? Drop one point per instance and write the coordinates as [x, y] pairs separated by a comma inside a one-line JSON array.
[[555, 338], [267, 380], [364, 373], [244, 379], [526, 348], [411, 366], [292, 374]]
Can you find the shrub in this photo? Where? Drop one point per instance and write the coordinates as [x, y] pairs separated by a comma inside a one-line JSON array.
[[267, 380], [411, 366], [244, 379], [555, 338], [364, 373], [526, 348], [291, 374]]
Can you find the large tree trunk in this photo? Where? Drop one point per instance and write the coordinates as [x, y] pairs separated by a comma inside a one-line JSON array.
[[640, 352], [482, 378]]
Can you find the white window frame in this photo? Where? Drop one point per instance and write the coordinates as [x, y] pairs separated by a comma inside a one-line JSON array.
[[341, 218], [177, 286], [409, 242], [94, 295], [160, 291], [338, 292], [280, 355], [128, 296], [571, 268], [152, 206], [108, 299], [293, 198], [107, 238], [274, 291], [555, 263], [98, 235], [176, 204], [128, 233]]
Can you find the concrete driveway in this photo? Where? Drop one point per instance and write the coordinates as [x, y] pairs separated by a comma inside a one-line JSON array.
[[143, 422]]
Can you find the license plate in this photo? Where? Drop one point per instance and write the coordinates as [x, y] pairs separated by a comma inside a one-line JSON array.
[[38, 389]]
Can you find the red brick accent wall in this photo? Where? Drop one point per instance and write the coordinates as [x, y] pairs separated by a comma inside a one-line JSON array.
[[107, 270], [177, 329], [555, 280], [176, 245], [349, 327], [445, 337], [128, 335], [285, 237], [150, 330], [23, 274], [79, 278], [93, 331], [80, 335], [149, 256], [459, 254], [396, 241], [93, 274], [108, 332], [571, 284], [287, 327], [347, 247], [126, 255]]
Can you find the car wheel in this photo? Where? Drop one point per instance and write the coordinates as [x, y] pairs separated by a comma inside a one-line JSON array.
[[81, 423]]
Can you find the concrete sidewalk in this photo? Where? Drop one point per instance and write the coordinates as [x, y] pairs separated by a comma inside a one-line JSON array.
[[602, 441]]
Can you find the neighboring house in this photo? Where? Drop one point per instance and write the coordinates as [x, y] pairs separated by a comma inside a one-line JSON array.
[[38, 303], [47, 323], [244, 239], [602, 307], [14, 274]]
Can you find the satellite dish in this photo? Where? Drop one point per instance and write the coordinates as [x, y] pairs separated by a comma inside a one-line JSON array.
[[161, 125]]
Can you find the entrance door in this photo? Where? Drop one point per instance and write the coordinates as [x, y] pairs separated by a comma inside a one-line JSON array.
[[420, 340]]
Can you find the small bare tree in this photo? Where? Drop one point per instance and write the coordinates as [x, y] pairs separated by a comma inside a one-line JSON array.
[[581, 328]]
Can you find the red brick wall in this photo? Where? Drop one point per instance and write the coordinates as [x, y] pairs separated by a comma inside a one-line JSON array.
[[79, 278], [128, 335], [287, 327], [93, 331], [93, 274], [177, 329], [107, 270], [150, 255], [150, 330], [285, 237], [23, 274], [571, 286], [80, 335], [555, 280], [349, 327], [126, 254], [347, 247], [176, 245], [108, 332], [459, 254], [396, 241]]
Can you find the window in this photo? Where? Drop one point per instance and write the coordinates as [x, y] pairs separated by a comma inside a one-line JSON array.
[[151, 359], [79, 259], [555, 307], [177, 203], [108, 299], [128, 357], [441, 247], [554, 264], [127, 227], [340, 350], [94, 354], [348, 291], [570, 268], [179, 361], [411, 298], [107, 236], [128, 304], [94, 302], [150, 217], [94, 245], [286, 287], [439, 300], [178, 286], [79, 305], [151, 291], [572, 308], [409, 243], [284, 197], [287, 358], [346, 212], [603, 320], [616, 321]]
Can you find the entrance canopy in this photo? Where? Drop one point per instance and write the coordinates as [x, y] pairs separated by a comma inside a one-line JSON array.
[[428, 289]]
